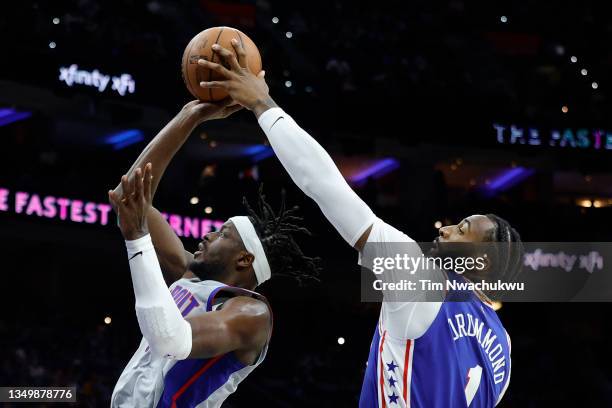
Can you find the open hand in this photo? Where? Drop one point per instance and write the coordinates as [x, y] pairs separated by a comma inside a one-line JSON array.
[[247, 89], [203, 111], [133, 207]]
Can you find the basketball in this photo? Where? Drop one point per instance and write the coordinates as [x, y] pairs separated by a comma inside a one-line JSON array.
[[200, 47]]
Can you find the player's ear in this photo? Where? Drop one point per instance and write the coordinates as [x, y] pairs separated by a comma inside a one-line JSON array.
[[244, 259]]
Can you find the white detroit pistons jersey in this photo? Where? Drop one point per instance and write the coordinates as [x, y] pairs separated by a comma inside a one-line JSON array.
[[150, 380], [450, 354]]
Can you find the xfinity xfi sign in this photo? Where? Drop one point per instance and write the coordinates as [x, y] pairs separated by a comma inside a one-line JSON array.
[[72, 75]]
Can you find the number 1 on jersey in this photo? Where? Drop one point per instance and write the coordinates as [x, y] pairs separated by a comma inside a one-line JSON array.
[[473, 382]]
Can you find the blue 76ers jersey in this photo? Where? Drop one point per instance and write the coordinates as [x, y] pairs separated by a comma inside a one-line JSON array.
[[462, 360]]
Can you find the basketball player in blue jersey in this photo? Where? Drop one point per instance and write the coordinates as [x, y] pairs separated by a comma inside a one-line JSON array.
[[424, 354], [206, 332]]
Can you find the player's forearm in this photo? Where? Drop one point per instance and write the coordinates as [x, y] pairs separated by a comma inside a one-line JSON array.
[[173, 257], [315, 173], [160, 320], [263, 105], [164, 146]]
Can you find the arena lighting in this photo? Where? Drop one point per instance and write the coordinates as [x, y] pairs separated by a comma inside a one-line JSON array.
[[194, 200], [558, 138], [564, 109], [258, 152], [72, 75], [595, 85], [8, 116], [88, 212], [275, 20], [208, 210], [503, 19], [56, 20], [438, 224], [584, 72], [289, 34], [378, 169], [340, 340], [509, 178], [574, 59], [288, 84], [108, 320], [52, 45], [124, 138]]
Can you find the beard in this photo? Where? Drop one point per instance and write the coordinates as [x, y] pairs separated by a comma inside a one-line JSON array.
[[206, 269]]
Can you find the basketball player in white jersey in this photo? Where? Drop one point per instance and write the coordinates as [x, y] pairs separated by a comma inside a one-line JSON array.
[[207, 331], [425, 354]]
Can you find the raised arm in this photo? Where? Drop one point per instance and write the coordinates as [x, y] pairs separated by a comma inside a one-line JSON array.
[[160, 151], [309, 165], [242, 325]]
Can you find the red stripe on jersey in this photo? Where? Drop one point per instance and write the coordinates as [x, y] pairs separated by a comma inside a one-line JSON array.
[[406, 364], [382, 378], [201, 371]]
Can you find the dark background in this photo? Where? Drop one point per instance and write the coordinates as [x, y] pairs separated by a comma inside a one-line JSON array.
[[418, 82]]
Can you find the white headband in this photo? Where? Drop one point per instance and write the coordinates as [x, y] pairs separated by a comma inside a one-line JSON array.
[[253, 245]]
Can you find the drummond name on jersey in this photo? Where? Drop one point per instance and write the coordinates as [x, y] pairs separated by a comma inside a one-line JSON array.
[[466, 325]]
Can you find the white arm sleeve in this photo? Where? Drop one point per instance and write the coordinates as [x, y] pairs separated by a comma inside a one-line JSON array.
[[160, 320], [315, 173], [407, 316]]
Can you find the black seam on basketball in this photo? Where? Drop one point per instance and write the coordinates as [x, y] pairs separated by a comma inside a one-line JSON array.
[[186, 74], [213, 60]]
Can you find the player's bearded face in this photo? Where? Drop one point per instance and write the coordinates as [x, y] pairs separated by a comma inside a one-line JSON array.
[[207, 269], [215, 253]]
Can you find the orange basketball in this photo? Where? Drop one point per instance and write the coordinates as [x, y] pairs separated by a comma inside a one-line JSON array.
[[200, 47]]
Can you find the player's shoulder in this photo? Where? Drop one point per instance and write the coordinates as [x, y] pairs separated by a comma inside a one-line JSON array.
[[250, 315], [384, 232], [248, 306]]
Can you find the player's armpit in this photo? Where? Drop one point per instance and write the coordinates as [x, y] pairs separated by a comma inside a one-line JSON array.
[[363, 239], [243, 325]]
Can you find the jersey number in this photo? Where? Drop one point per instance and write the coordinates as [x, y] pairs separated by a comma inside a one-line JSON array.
[[473, 382]]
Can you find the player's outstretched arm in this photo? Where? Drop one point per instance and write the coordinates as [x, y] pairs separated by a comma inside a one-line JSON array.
[[160, 151], [242, 324], [308, 164]]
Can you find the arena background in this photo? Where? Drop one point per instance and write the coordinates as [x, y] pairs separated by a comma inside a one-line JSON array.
[[429, 108]]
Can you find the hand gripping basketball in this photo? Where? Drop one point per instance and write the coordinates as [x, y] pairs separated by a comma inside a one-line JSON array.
[[239, 82]]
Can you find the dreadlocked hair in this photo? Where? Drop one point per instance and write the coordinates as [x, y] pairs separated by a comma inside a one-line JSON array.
[[276, 231], [509, 249]]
